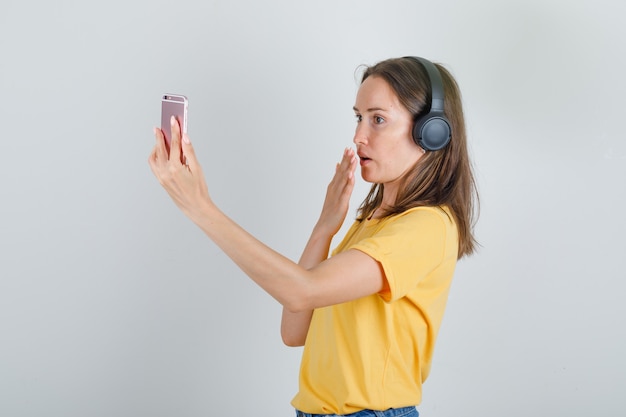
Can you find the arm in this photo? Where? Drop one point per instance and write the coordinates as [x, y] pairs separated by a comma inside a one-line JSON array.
[[295, 325], [344, 277]]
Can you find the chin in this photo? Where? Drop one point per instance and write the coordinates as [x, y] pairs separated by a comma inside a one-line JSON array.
[[368, 176], [369, 179]]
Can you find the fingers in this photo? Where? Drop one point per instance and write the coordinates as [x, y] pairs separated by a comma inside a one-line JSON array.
[[343, 181], [160, 150], [160, 163], [152, 161], [181, 150], [338, 193], [189, 154], [347, 166], [175, 151], [351, 155]]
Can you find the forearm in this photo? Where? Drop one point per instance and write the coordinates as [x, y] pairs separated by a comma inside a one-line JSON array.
[[296, 287], [316, 249], [279, 276], [294, 326]]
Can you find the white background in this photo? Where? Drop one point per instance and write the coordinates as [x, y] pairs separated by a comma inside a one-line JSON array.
[[112, 303]]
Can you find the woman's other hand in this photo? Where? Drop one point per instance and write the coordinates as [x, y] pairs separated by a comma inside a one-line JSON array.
[[179, 172], [338, 194]]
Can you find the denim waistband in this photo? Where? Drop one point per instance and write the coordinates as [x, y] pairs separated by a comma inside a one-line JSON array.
[[392, 412]]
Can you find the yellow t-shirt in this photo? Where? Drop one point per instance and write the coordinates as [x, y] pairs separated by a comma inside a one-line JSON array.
[[375, 352]]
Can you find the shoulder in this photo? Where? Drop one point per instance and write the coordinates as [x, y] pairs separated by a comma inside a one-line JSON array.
[[420, 226], [429, 230], [421, 217]]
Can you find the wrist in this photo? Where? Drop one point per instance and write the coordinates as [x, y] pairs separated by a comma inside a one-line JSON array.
[[203, 213], [321, 231]]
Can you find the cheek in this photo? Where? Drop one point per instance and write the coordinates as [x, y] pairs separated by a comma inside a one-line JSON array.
[[406, 155]]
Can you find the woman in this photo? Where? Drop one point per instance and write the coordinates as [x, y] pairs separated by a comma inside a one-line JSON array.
[[369, 314]]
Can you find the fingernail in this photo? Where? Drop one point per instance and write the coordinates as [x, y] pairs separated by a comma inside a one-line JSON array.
[[186, 138], [172, 120]]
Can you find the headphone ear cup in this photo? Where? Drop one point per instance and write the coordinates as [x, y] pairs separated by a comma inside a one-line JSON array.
[[432, 133]]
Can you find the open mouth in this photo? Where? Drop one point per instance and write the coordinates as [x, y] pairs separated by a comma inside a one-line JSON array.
[[364, 160]]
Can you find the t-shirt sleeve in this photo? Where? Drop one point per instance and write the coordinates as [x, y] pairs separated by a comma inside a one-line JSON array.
[[408, 247]]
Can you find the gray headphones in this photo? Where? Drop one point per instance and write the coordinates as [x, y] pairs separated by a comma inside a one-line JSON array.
[[432, 130]]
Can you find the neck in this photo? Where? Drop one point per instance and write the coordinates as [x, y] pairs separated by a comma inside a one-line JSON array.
[[388, 200], [389, 196]]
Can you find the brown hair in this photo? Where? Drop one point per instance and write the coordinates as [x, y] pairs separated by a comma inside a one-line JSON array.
[[439, 178]]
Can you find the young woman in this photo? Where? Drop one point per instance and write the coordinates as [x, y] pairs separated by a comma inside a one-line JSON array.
[[369, 314]]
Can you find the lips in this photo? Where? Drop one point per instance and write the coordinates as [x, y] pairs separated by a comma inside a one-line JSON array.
[[363, 159]]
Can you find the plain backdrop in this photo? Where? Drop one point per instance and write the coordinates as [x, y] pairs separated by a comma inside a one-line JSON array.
[[112, 303]]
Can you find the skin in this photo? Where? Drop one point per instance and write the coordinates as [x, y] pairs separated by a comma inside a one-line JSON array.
[[386, 151], [384, 137]]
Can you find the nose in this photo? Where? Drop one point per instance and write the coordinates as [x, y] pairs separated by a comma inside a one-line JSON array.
[[360, 134]]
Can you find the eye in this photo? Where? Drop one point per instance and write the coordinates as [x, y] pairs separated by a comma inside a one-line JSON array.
[[378, 120], [358, 117]]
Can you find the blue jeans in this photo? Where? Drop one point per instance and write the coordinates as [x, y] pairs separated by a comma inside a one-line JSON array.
[[392, 412]]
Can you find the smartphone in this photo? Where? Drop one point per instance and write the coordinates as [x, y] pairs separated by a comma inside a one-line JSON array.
[[173, 105]]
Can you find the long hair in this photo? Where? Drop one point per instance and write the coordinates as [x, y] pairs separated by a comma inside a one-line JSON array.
[[439, 178]]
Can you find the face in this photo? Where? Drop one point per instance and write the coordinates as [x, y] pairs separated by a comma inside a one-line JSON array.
[[383, 134]]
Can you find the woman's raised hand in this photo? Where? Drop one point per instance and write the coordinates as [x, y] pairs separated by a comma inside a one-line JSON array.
[[183, 181], [338, 194]]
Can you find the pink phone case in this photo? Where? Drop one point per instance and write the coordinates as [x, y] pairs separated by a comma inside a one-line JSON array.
[[173, 105]]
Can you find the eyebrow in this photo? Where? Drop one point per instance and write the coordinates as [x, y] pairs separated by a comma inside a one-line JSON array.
[[371, 109]]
